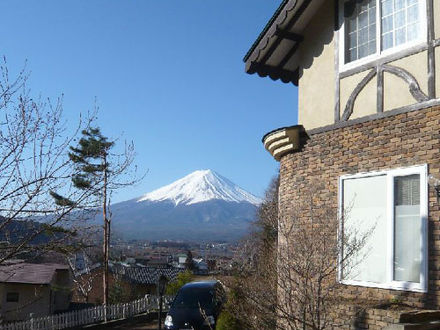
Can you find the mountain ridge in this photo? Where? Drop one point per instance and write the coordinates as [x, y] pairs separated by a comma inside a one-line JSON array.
[[201, 206], [200, 186]]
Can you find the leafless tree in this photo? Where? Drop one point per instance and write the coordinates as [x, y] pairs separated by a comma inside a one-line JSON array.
[[34, 141], [253, 289], [292, 283], [83, 277]]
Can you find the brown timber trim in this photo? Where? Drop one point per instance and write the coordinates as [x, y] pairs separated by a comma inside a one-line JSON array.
[[350, 103], [289, 35], [385, 114], [275, 73], [380, 98], [288, 56], [277, 42]]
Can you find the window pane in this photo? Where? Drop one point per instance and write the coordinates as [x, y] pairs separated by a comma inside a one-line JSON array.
[[360, 29], [363, 50], [387, 40], [399, 4], [397, 17], [407, 229], [363, 19], [363, 36], [413, 14], [387, 7], [365, 209], [413, 31], [400, 36], [352, 40], [387, 24]]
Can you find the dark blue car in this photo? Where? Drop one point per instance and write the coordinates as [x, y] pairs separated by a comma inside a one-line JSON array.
[[196, 306]]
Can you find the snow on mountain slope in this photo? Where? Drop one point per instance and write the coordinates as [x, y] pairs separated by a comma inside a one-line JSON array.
[[201, 186]]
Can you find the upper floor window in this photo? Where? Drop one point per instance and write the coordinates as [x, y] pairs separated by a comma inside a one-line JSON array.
[[372, 27]]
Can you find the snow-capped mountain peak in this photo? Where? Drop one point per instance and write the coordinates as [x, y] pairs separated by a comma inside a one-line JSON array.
[[201, 186]]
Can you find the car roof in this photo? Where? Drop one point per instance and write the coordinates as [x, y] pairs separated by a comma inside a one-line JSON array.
[[200, 285]]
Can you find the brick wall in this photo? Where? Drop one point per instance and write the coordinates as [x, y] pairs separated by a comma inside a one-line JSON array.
[[402, 140], [367, 318]]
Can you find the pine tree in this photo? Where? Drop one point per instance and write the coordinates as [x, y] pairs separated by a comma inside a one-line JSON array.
[[189, 262], [91, 159]]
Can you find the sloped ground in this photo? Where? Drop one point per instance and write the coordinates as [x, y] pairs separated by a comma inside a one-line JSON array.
[[140, 322], [136, 326]]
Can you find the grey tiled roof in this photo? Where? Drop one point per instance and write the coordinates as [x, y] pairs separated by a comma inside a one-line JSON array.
[[145, 275]]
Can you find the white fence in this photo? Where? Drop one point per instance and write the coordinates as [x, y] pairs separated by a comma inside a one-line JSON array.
[[87, 316]]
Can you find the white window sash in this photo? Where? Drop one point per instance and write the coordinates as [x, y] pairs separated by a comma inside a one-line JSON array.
[[422, 40], [422, 171]]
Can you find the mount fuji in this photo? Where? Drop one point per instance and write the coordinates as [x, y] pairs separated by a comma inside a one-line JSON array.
[[202, 206]]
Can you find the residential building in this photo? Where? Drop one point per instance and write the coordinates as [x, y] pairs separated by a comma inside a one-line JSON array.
[[368, 77], [33, 289], [126, 282]]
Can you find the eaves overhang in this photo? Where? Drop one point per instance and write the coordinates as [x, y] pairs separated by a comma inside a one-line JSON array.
[[284, 140], [275, 52]]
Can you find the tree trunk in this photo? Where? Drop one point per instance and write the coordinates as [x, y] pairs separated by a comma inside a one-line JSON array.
[[106, 237]]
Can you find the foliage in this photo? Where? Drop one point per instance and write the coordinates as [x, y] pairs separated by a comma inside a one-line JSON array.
[[91, 159], [181, 280], [228, 321]]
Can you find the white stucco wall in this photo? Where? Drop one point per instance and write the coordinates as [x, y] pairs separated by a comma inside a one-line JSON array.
[[396, 90], [317, 78]]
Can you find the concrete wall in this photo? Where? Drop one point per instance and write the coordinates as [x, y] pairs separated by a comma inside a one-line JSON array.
[[32, 299], [316, 92]]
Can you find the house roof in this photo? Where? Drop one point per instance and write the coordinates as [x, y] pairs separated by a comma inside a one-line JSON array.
[[275, 51], [146, 275], [266, 28], [27, 273]]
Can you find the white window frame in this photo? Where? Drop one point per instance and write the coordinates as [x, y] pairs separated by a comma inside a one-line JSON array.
[[421, 170], [422, 40]]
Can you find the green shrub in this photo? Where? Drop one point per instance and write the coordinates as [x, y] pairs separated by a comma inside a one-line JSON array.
[[226, 321], [180, 281]]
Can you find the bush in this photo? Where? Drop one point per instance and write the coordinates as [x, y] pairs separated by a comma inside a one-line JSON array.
[[180, 281], [226, 321]]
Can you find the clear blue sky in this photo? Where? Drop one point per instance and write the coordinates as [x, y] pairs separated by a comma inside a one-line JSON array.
[[168, 74]]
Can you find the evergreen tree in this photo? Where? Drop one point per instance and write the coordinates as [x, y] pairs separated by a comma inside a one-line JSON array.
[[189, 263], [91, 159]]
